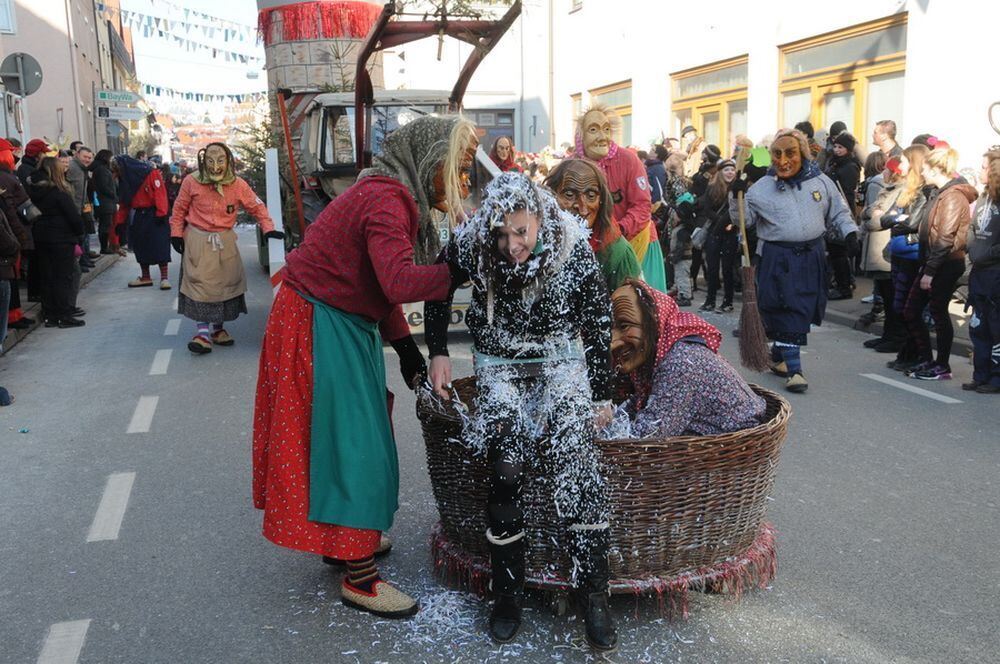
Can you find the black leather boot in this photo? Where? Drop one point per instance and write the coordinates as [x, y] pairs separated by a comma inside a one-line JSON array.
[[507, 562], [591, 548]]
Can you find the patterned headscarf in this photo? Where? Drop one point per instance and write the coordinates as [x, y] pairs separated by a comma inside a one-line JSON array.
[[672, 325], [412, 155]]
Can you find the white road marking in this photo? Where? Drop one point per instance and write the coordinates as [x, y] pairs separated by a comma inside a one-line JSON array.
[[108, 519], [160, 362], [910, 388], [64, 642], [143, 415], [172, 328]]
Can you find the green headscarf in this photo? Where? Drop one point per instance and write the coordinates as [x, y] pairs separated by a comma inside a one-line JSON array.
[[412, 155]]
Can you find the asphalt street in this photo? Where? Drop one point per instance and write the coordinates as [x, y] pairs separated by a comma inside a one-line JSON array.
[[129, 534]]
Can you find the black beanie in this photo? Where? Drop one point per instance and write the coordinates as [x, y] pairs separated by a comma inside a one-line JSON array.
[[837, 128], [711, 154], [846, 140]]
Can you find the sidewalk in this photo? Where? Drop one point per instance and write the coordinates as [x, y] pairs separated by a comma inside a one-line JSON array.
[[33, 309], [847, 312]]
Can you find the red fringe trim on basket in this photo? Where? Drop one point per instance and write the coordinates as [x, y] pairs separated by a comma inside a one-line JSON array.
[[755, 568], [327, 19]]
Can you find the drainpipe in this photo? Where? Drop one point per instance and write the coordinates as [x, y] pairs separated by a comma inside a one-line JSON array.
[[552, 84], [76, 76]]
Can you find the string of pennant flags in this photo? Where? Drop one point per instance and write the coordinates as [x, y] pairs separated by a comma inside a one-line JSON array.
[[170, 93], [185, 34]]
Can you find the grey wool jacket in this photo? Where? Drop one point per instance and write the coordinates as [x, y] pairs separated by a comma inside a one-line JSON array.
[[784, 212]]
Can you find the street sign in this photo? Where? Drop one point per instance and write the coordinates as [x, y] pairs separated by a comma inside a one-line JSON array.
[[117, 97], [21, 74], [120, 113]]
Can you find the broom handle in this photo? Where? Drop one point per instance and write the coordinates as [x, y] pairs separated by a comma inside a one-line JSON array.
[[743, 229]]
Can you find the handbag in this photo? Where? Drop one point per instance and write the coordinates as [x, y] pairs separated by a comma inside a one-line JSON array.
[[698, 237], [29, 211]]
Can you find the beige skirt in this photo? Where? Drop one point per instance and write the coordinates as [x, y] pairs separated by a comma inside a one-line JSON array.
[[212, 268]]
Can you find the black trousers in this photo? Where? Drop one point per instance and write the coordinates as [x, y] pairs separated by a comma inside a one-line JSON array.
[[103, 227], [720, 253], [55, 264], [840, 264]]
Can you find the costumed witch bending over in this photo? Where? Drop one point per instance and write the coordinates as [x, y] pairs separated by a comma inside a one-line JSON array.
[[793, 209], [213, 284], [327, 477], [540, 321], [626, 176]]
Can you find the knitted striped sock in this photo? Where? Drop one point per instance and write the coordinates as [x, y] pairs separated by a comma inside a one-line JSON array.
[[790, 354], [216, 327], [144, 271], [362, 574], [163, 271], [203, 330]]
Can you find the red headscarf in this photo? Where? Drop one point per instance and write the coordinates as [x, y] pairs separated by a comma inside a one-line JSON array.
[[672, 325]]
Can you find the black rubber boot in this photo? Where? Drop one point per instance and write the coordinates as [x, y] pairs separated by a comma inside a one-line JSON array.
[[591, 549], [507, 562]]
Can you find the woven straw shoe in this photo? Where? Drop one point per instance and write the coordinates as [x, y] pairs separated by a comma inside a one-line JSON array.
[[779, 369], [796, 383], [222, 338], [384, 601]]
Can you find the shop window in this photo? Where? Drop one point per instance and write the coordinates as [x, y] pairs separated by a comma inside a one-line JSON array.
[[7, 24], [853, 75], [712, 99], [617, 97]]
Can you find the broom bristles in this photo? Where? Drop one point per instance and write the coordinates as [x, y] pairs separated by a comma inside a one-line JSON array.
[[754, 354]]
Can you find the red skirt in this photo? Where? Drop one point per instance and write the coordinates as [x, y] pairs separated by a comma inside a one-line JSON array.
[[281, 433]]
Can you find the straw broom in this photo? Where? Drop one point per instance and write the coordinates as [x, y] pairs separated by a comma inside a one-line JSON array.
[[753, 340]]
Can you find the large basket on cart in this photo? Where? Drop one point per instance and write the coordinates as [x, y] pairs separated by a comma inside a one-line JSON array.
[[686, 511]]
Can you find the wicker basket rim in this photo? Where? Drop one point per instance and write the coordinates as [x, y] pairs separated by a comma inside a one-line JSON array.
[[449, 413]]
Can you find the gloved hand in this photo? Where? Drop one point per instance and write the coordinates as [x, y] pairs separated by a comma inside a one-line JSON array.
[[738, 185], [853, 245], [274, 235], [411, 361], [178, 244]]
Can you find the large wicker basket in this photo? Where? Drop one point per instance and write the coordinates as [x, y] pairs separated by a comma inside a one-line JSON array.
[[686, 507]]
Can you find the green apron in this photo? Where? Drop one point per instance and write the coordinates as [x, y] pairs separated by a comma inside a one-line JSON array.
[[653, 271], [353, 467]]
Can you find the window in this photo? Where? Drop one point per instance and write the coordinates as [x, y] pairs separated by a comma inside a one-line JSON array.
[[617, 97], [7, 23], [853, 75], [712, 99]]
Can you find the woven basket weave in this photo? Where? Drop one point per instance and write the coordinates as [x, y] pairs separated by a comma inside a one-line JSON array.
[[678, 504]]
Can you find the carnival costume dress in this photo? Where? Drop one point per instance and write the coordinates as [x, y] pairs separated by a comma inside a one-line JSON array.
[[213, 283], [143, 200], [626, 178], [541, 338], [687, 389], [327, 477], [792, 216]]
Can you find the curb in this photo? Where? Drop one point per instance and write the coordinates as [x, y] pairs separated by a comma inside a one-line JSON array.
[[849, 320], [33, 309]]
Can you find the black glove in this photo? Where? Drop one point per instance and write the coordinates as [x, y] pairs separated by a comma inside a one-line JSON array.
[[853, 246], [738, 185], [178, 244], [274, 235], [411, 361]]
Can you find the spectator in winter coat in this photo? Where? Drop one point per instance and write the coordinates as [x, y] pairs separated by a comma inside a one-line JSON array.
[[722, 240], [792, 208], [106, 193], [884, 136], [57, 235], [33, 153], [656, 174], [942, 252], [814, 147], [984, 281], [78, 175], [14, 198], [836, 129], [845, 171]]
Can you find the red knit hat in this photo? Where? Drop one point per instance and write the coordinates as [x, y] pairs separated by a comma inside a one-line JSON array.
[[894, 165], [35, 147]]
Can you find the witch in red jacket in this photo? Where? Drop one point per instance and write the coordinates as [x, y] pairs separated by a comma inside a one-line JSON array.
[[327, 477], [141, 191]]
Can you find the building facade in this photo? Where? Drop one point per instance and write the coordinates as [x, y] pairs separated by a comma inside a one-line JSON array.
[[80, 53], [733, 67]]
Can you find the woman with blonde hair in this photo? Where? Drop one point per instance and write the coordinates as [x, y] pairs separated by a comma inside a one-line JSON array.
[[984, 280], [327, 478], [942, 254], [57, 235]]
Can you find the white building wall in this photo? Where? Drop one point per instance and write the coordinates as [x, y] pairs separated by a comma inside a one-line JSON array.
[[948, 84]]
